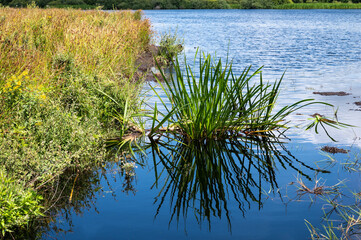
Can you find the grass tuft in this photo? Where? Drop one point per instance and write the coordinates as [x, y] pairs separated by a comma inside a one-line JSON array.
[[219, 105]]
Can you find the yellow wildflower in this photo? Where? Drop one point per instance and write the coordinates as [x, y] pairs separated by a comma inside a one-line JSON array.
[[42, 96]]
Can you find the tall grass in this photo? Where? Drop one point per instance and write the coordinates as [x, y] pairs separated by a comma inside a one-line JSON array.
[[100, 43], [60, 72]]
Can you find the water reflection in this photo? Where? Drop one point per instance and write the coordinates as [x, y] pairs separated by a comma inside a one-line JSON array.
[[75, 193], [204, 180], [203, 177]]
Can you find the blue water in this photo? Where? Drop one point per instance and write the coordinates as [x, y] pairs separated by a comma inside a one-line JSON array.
[[320, 51]]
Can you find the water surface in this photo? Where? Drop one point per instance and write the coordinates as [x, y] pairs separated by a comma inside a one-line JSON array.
[[319, 50]]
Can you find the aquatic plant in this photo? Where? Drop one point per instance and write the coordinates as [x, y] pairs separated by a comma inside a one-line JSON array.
[[217, 104], [341, 207], [345, 224], [317, 190]]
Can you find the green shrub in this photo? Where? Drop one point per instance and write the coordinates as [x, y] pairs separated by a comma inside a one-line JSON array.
[[204, 4], [60, 93], [60, 128], [170, 46], [17, 205], [256, 4], [48, 139]]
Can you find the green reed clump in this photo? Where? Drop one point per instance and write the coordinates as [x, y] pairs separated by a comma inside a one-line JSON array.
[[220, 105]]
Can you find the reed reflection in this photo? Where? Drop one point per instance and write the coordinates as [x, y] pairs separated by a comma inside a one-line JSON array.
[[205, 176]]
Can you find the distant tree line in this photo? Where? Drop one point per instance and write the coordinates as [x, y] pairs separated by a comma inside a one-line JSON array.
[[327, 1], [254, 4], [125, 4], [163, 4]]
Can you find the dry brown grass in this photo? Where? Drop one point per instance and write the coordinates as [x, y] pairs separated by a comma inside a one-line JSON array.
[[317, 190]]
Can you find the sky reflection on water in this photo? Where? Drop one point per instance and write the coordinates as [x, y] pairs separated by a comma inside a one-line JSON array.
[[320, 51]]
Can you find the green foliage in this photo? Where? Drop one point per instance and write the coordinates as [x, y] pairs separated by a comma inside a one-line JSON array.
[[18, 205], [61, 129], [261, 4], [204, 4], [253, 4], [320, 5], [60, 93], [219, 105], [170, 46], [124, 4], [319, 120]]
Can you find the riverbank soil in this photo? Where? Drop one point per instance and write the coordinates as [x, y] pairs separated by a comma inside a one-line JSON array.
[[146, 64]]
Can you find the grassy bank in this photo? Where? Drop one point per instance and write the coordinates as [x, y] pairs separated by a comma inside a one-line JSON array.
[[64, 74]]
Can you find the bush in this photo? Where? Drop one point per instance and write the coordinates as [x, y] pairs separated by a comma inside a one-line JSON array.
[[256, 4], [204, 4], [170, 46], [17, 205]]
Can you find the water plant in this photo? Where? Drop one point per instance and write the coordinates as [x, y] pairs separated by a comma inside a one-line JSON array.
[[341, 207], [345, 224], [214, 103], [170, 45]]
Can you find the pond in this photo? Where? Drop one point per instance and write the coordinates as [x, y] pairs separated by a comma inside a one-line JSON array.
[[238, 190]]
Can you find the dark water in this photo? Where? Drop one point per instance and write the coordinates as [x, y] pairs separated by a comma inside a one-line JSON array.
[[321, 52]]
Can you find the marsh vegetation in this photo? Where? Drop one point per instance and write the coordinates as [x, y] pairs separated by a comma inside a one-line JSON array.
[[60, 71]]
